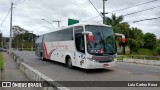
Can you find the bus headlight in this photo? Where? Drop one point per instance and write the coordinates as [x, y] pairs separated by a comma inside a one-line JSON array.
[[115, 59], [92, 60]]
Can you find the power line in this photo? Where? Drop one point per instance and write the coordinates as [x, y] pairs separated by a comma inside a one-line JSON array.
[[95, 8], [133, 12], [123, 9], [5, 17], [133, 6], [146, 19], [91, 18], [141, 11], [20, 2]]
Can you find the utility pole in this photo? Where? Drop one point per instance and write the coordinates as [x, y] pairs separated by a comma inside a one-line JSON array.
[[2, 40], [10, 38], [104, 12], [57, 22]]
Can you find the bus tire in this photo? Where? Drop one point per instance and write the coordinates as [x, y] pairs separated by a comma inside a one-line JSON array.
[[42, 58], [69, 62]]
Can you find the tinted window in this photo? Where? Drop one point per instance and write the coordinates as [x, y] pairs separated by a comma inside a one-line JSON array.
[[39, 39], [61, 35], [78, 29]]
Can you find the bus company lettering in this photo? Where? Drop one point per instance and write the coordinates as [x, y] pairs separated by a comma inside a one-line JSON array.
[[56, 46]]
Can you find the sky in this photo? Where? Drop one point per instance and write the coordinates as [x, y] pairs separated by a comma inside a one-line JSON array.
[[29, 14]]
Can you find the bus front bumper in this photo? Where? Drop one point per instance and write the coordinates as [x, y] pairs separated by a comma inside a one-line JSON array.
[[96, 65]]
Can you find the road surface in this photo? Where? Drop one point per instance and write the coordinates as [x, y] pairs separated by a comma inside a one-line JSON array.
[[121, 72]]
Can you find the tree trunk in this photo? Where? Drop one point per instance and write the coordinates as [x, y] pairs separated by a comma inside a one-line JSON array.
[[123, 47]]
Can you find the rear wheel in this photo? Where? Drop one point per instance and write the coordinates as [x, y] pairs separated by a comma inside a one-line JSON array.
[[42, 58], [69, 62]]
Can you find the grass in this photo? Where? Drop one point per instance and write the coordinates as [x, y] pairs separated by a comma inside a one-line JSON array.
[[138, 57], [1, 62], [144, 51]]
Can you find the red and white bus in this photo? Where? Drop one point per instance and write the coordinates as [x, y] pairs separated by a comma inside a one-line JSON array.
[[87, 46]]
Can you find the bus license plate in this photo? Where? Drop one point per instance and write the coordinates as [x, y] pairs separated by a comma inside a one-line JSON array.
[[105, 65]]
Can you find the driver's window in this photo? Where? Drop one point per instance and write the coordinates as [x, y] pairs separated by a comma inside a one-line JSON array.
[[79, 39]]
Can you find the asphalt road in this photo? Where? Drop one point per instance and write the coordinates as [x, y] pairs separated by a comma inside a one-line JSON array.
[[120, 72]]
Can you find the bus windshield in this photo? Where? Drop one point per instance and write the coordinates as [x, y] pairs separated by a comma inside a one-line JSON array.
[[104, 40]]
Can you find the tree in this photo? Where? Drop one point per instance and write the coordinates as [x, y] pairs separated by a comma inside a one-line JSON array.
[[150, 40], [22, 36], [117, 25], [1, 40], [115, 22], [158, 42], [134, 36], [135, 39]]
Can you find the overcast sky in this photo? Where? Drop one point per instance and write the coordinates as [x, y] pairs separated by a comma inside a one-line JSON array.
[[30, 13]]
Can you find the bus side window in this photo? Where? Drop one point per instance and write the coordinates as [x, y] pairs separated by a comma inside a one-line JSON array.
[[79, 41]]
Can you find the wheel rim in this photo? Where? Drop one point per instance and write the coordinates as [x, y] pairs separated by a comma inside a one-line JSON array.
[[42, 57], [69, 63]]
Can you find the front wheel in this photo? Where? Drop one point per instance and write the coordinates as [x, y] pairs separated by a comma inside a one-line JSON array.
[[69, 63]]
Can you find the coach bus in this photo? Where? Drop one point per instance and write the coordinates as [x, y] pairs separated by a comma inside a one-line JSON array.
[[87, 46]]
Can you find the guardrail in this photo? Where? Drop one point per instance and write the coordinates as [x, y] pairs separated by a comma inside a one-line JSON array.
[[36, 75], [150, 60]]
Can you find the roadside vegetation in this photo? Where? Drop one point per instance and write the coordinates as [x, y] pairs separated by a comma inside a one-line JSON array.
[[138, 43], [1, 62]]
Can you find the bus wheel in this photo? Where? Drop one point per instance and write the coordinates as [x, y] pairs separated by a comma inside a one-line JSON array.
[[69, 62], [42, 58]]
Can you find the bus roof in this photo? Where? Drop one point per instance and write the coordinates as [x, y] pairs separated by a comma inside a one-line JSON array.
[[79, 24]]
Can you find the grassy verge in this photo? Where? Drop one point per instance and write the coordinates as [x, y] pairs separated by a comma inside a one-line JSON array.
[[1, 61], [120, 57]]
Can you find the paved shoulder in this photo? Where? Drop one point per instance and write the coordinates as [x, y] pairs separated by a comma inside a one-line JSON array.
[[12, 73]]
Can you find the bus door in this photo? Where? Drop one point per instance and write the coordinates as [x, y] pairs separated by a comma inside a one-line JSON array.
[[80, 46]]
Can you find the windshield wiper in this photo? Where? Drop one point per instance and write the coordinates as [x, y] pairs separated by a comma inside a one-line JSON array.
[[102, 41], [108, 46]]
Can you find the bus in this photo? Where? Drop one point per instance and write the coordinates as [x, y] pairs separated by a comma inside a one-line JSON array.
[[85, 45]]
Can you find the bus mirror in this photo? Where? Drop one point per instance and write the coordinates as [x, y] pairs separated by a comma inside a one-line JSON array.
[[123, 37], [90, 36]]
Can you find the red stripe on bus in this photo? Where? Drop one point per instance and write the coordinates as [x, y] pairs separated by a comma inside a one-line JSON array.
[[46, 52], [51, 53]]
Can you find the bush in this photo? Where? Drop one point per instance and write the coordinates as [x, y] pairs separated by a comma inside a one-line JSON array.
[[28, 49], [158, 50], [1, 62], [144, 51]]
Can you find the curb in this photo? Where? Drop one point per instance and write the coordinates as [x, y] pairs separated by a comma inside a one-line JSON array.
[[36, 75], [141, 61]]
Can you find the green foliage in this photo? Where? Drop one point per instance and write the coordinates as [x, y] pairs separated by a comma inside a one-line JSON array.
[[0, 39], [135, 37], [144, 51], [29, 49], [115, 22], [1, 62], [158, 42], [22, 38], [150, 40], [158, 50]]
